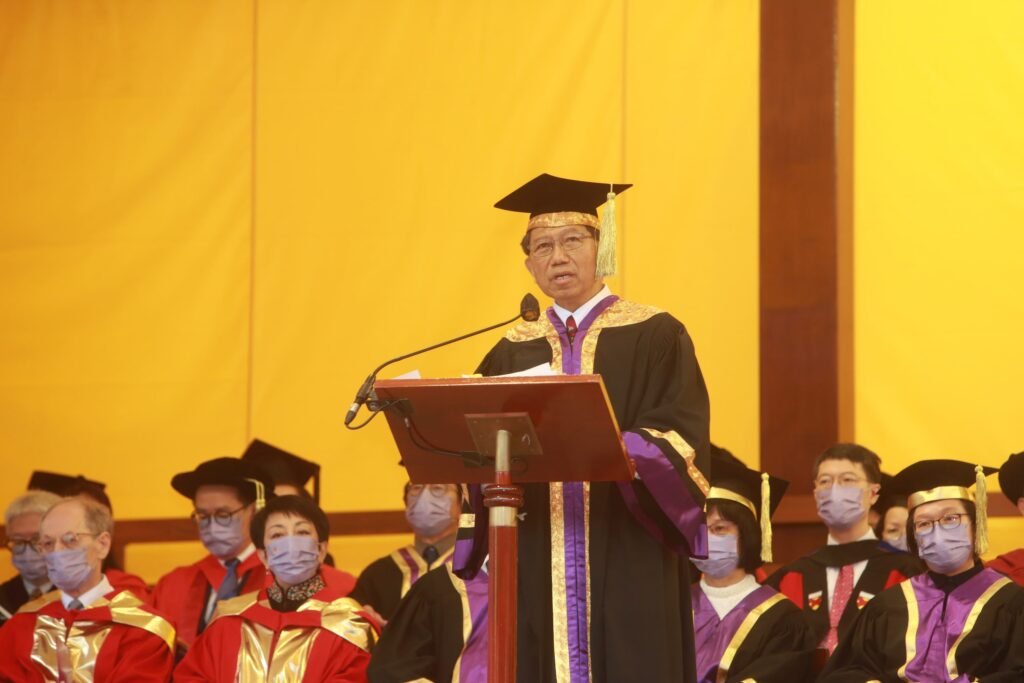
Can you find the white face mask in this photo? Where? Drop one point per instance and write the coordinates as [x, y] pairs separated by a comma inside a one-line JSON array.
[[723, 556]]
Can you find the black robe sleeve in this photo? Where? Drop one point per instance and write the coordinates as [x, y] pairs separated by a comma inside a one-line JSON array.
[[777, 650], [380, 587], [425, 637]]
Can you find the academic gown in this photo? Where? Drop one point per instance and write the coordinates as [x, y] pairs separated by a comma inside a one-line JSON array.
[[1011, 564], [763, 638], [917, 631], [183, 593], [386, 580], [117, 639], [122, 580], [440, 627], [804, 581], [600, 563], [12, 596], [325, 639]]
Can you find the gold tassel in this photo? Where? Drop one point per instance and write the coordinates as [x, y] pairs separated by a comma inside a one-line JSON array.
[[766, 519], [981, 509], [606, 247], [261, 493]]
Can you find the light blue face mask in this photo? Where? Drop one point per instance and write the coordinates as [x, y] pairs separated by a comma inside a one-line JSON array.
[[840, 507], [293, 559], [223, 541], [68, 569], [944, 550], [429, 515], [31, 565], [723, 556]]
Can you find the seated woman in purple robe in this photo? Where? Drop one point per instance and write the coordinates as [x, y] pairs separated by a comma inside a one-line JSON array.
[[956, 622], [744, 631]]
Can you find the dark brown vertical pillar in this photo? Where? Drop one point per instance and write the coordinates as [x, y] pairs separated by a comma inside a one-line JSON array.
[[805, 302]]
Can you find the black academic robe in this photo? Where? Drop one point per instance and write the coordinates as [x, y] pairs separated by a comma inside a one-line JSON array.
[[600, 563], [386, 580], [935, 629], [12, 597], [804, 581], [427, 636]]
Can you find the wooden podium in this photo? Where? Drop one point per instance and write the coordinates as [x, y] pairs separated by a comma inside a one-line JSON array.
[[503, 432]]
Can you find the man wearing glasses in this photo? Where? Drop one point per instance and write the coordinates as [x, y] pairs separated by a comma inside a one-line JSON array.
[[224, 494], [21, 521], [433, 514], [87, 629], [833, 583]]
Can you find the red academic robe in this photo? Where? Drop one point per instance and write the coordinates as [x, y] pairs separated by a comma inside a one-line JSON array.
[[124, 581], [1011, 564], [182, 594], [326, 639], [116, 639]]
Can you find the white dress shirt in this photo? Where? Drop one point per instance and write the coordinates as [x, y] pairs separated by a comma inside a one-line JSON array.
[[580, 313], [211, 601], [725, 599], [31, 587], [832, 573], [90, 596]]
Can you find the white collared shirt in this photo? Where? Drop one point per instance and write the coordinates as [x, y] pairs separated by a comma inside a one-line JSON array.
[[31, 587], [725, 599], [832, 573], [580, 313], [211, 602], [90, 596]]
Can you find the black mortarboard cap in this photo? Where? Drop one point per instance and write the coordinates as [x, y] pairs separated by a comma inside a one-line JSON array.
[[284, 467], [550, 194], [926, 481], [1011, 477], [249, 478], [67, 485]]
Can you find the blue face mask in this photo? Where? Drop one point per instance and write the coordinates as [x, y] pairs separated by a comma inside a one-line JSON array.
[[293, 559], [945, 550], [723, 556], [840, 507], [223, 542], [68, 569], [31, 565]]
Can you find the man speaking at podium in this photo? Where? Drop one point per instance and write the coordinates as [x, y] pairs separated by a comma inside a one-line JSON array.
[[603, 591]]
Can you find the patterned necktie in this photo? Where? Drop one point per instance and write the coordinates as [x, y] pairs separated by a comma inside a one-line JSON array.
[[570, 328], [229, 586], [430, 554], [75, 605], [844, 589]]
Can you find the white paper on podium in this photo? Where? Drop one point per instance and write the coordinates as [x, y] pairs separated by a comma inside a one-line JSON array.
[[541, 370]]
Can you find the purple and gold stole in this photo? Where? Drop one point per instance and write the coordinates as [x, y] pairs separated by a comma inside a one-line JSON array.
[[717, 640]]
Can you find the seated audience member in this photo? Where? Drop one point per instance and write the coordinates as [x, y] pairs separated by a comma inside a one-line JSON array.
[[832, 584], [310, 631], [1011, 481], [433, 513], [742, 630], [66, 486], [956, 622], [891, 523], [440, 626], [21, 522], [224, 494], [87, 630]]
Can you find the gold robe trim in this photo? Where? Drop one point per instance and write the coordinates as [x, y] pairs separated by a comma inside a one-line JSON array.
[[687, 453], [467, 621], [972, 619], [913, 621], [746, 626]]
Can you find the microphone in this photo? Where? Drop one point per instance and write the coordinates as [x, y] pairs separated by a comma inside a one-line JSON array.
[[529, 310]]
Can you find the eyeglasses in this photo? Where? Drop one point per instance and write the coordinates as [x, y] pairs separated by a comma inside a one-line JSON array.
[[722, 529], [923, 527], [546, 247], [18, 545], [222, 517], [70, 541], [827, 481], [436, 490]]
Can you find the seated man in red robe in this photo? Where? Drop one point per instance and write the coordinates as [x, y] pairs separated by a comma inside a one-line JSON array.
[[86, 630], [224, 494], [306, 627], [1011, 481]]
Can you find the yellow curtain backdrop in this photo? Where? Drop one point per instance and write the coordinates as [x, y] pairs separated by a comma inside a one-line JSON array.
[[939, 311], [218, 217]]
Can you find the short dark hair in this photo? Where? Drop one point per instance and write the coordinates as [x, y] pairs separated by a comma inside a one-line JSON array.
[[749, 530], [856, 453], [972, 514], [524, 243], [296, 506]]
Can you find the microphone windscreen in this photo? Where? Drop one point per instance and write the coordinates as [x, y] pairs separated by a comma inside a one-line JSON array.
[[529, 308]]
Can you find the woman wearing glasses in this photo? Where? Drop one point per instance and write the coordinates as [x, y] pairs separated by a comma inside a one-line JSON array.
[[300, 627], [956, 622]]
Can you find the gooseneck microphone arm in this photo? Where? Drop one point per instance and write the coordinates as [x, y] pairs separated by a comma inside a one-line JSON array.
[[529, 310]]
